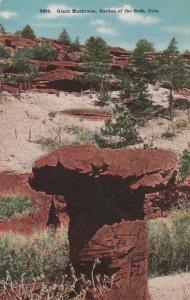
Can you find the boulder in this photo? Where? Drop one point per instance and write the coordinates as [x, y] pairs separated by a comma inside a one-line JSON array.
[[105, 193]]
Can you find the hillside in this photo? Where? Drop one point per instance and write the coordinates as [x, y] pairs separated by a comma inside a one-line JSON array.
[[60, 74]]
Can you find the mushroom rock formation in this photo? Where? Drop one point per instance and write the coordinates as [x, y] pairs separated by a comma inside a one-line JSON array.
[[105, 191], [44, 211]]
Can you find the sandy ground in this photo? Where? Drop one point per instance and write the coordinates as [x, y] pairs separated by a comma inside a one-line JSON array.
[[176, 287], [26, 121]]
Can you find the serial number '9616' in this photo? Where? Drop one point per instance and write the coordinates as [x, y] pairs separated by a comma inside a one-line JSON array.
[[45, 11]]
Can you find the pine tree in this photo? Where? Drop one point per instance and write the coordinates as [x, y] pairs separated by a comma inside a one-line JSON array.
[[64, 38], [2, 29], [75, 46], [28, 32], [141, 105], [97, 62], [118, 131], [172, 72], [141, 59], [125, 84], [134, 93], [22, 64]]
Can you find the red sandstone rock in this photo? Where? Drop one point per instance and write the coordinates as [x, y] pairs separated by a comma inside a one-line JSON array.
[[186, 56], [105, 191], [186, 184], [185, 92], [60, 74], [121, 58], [74, 56], [11, 184], [10, 89], [137, 166], [64, 69], [90, 114], [52, 65], [160, 204], [43, 90], [117, 51], [17, 42]]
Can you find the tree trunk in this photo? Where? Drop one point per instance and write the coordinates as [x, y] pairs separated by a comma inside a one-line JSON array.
[[171, 108], [1, 74], [90, 90], [19, 91], [188, 115]]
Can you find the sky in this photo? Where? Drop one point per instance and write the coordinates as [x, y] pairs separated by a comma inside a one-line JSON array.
[[157, 21]]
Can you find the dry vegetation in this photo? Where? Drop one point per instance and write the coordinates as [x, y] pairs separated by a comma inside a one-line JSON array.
[[25, 263], [39, 268]]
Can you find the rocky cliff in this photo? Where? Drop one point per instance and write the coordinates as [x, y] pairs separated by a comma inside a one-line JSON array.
[[61, 74]]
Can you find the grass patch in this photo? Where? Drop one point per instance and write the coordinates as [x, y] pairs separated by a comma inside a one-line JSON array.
[[78, 135], [45, 259], [81, 135], [14, 205], [167, 135], [169, 243], [46, 255], [181, 125], [50, 143]]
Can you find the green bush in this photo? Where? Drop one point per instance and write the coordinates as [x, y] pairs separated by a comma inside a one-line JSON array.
[[185, 164], [104, 98], [169, 243], [4, 53], [46, 255], [22, 60], [44, 52], [12, 205]]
